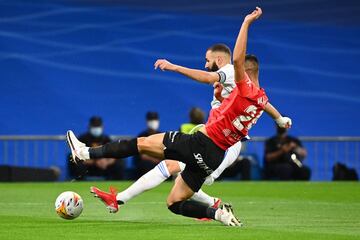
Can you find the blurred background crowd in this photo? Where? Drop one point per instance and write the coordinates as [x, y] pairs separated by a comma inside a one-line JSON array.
[[88, 66]]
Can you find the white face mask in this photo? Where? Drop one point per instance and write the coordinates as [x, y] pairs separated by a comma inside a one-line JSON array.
[[96, 131], [153, 124]]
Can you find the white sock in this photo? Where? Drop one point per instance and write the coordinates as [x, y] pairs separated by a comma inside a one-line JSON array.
[[149, 180], [202, 197]]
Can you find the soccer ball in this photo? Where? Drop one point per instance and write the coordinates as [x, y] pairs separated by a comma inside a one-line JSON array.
[[69, 205]]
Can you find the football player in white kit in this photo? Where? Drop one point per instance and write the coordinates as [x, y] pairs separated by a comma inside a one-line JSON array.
[[221, 71]]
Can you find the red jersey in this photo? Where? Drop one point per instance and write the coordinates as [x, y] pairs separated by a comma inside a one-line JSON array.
[[231, 122]]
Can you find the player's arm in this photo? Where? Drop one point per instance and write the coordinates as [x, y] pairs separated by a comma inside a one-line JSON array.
[[195, 74], [240, 45], [281, 121]]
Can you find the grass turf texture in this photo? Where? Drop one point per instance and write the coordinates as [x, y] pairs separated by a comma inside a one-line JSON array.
[[269, 211]]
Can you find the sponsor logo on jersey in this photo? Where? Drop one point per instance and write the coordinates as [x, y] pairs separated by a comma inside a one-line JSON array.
[[226, 132]]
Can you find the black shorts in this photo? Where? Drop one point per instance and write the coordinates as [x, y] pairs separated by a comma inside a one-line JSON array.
[[200, 154]]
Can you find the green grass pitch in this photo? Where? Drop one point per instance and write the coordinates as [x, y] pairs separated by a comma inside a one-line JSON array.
[[269, 210]]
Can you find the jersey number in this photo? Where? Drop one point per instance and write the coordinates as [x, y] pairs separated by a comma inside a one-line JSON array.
[[248, 119]]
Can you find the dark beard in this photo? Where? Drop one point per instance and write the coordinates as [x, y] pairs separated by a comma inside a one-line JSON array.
[[213, 68]]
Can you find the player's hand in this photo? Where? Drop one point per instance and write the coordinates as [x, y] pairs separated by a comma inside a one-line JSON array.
[[253, 16], [284, 122], [164, 65], [217, 91], [209, 180]]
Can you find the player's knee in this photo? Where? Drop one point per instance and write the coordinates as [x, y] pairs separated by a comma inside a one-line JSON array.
[[175, 207], [172, 166]]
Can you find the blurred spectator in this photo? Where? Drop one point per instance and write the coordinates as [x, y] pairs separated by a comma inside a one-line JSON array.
[[110, 168], [341, 172], [197, 116], [284, 156], [144, 162]]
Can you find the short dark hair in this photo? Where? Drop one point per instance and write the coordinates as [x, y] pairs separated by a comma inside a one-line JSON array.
[[251, 58], [152, 116], [220, 47], [95, 121]]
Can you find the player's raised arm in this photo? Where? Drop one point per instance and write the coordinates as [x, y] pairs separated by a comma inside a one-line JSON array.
[[283, 122], [195, 74], [240, 45]]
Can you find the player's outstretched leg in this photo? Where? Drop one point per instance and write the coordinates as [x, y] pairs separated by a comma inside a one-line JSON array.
[[155, 177], [151, 145]]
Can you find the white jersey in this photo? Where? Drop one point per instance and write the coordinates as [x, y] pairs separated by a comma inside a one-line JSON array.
[[226, 74]]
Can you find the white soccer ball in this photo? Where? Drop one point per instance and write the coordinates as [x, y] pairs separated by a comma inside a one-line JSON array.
[[69, 205]]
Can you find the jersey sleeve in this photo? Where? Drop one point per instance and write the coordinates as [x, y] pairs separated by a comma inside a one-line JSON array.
[[225, 74]]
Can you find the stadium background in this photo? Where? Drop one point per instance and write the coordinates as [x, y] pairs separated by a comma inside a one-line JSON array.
[[64, 61]]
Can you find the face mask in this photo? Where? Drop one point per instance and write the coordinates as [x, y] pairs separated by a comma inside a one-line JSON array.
[[153, 124], [96, 131]]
